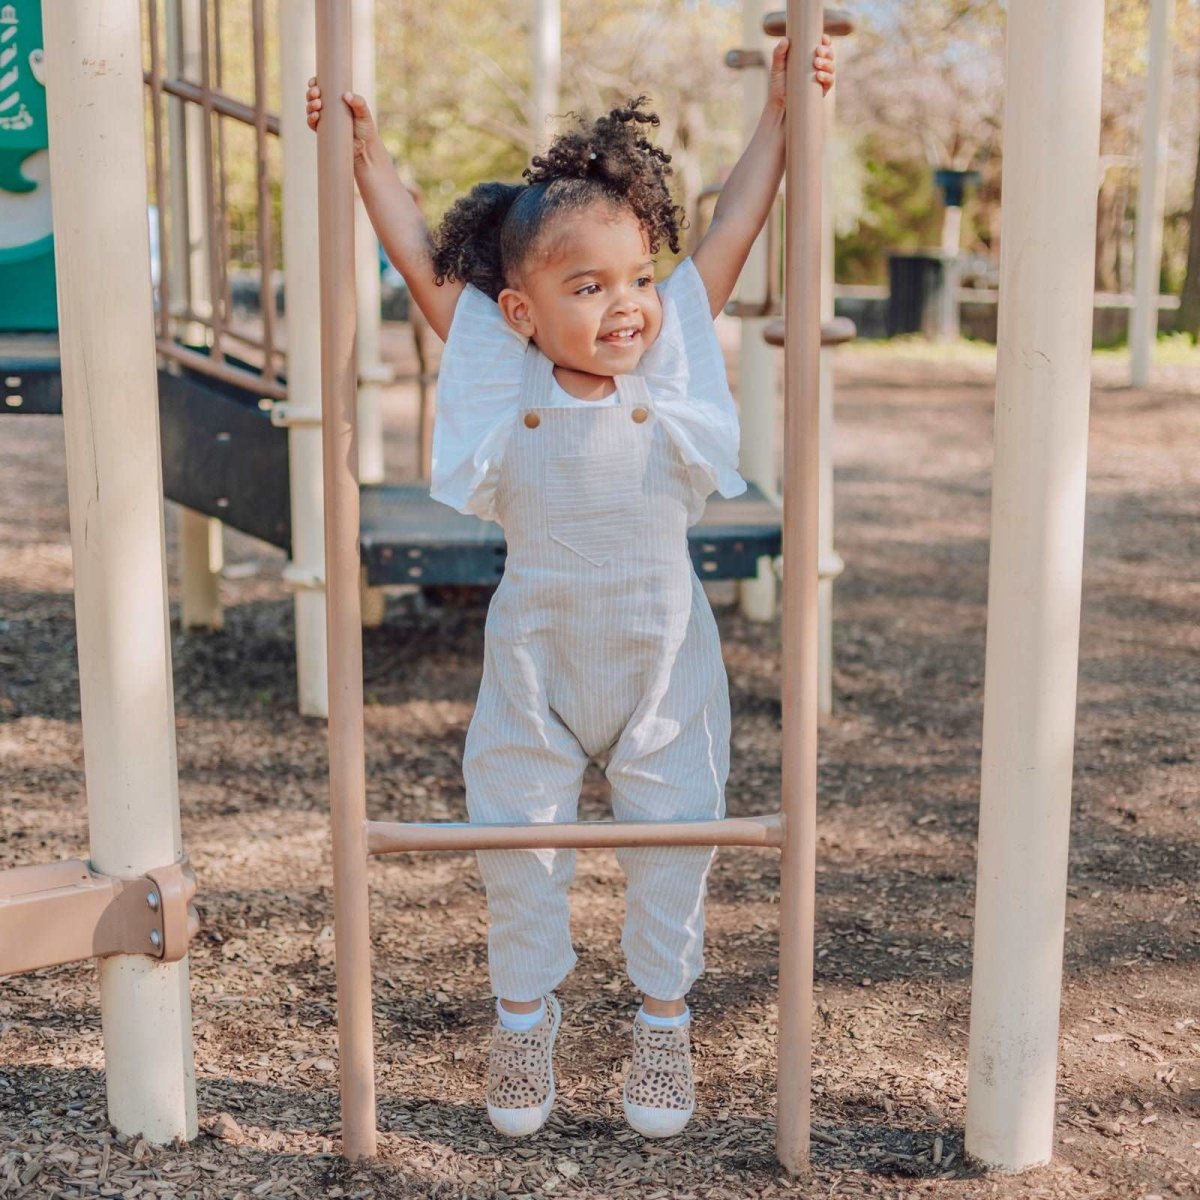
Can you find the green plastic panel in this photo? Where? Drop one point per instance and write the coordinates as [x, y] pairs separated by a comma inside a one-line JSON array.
[[27, 288]]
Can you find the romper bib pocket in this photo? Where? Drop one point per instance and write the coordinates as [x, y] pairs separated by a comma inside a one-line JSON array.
[[595, 503]]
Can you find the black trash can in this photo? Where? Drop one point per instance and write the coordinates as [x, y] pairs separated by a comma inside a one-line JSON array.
[[915, 283]]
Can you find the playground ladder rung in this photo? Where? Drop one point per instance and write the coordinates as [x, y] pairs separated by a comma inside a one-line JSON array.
[[395, 837]]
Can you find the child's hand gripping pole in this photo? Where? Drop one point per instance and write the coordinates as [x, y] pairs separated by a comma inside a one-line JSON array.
[[393, 210], [822, 62], [365, 132]]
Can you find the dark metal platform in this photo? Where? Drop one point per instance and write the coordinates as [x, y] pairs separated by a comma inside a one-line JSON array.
[[30, 374], [222, 457], [409, 538]]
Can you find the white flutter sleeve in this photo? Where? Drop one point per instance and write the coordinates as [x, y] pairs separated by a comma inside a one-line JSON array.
[[685, 371], [478, 400]]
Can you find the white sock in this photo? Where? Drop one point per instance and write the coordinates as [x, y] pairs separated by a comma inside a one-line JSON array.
[[520, 1021], [664, 1022]]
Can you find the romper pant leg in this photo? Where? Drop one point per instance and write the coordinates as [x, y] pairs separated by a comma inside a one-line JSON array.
[[672, 764], [522, 765]]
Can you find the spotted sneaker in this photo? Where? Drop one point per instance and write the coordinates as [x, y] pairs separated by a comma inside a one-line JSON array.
[[659, 1095], [520, 1090]]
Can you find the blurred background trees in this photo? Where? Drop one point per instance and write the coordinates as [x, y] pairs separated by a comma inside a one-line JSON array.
[[920, 87]]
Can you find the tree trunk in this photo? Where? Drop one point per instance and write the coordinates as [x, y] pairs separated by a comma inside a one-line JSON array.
[[1188, 319]]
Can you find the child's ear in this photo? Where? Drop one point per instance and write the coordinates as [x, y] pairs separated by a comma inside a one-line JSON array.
[[515, 307]]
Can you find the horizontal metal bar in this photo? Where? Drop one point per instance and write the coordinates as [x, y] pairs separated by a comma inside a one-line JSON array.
[[226, 105], [834, 332], [839, 22], [202, 364], [395, 837]]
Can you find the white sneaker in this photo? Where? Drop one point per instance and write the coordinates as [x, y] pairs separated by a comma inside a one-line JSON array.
[[659, 1094], [520, 1090]]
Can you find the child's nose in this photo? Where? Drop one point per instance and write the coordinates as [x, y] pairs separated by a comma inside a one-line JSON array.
[[624, 300]]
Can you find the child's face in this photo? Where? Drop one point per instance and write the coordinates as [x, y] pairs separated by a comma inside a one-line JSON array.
[[597, 278]]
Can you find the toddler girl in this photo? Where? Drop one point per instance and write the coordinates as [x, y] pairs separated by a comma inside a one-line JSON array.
[[586, 409]]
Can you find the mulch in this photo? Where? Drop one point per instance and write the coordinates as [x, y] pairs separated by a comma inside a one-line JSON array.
[[899, 764]]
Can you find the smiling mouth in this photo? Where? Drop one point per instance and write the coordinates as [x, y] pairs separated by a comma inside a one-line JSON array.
[[626, 337]]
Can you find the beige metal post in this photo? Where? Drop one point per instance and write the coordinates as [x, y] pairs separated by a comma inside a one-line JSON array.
[[201, 560], [372, 374], [114, 482], [1152, 194], [201, 547], [830, 561], [802, 299], [347, 782], [756, 360], [189, 237], [302, 298], [1051, 142], [547, 69]]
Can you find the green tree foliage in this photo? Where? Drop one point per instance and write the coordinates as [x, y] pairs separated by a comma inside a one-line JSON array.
[[899, 212], [920, 86]]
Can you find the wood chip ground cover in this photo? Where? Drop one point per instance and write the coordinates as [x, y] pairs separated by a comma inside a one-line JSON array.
[[899, 793]]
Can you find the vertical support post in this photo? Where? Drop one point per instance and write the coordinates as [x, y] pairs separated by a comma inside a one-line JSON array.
[[371, 372], [1051, 146], [114, 484], [830, 562], [802, 351], [949, 324], [1152, 194], [201, 548], [547, 69], [347, 762], [756, 360], [202, 557], [189, 229], [302, 299]]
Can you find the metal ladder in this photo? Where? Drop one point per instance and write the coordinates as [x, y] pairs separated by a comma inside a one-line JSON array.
[[791, 830]]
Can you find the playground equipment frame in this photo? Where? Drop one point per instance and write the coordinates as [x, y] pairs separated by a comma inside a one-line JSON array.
[[792, 830], [114, 487]]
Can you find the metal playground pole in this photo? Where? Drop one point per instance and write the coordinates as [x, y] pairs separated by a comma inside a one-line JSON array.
[[347, 761], [1039, 476], [801, 554]]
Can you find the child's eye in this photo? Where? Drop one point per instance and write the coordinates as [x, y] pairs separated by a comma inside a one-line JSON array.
[[648, 280], [583, 291]]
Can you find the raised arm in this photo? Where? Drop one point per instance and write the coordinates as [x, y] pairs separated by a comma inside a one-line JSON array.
[[398, 222], [748, 194]]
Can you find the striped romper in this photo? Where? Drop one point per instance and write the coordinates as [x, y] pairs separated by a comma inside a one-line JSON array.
[[599, 641]]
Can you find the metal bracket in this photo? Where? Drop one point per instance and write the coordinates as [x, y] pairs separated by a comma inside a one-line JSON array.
[[381, 373], [303, 579], [285, 415], [65, 912], [830, 566], [739, 60]]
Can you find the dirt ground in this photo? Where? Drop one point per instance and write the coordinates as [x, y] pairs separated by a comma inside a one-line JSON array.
[[899, 792]]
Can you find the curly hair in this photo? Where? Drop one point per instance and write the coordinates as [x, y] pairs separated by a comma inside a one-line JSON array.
[[489, 235]]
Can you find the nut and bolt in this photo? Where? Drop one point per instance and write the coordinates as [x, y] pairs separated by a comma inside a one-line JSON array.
[[156, 939], [152, 900]]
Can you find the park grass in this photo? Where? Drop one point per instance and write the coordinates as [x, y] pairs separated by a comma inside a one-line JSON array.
[[1172, 349]]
